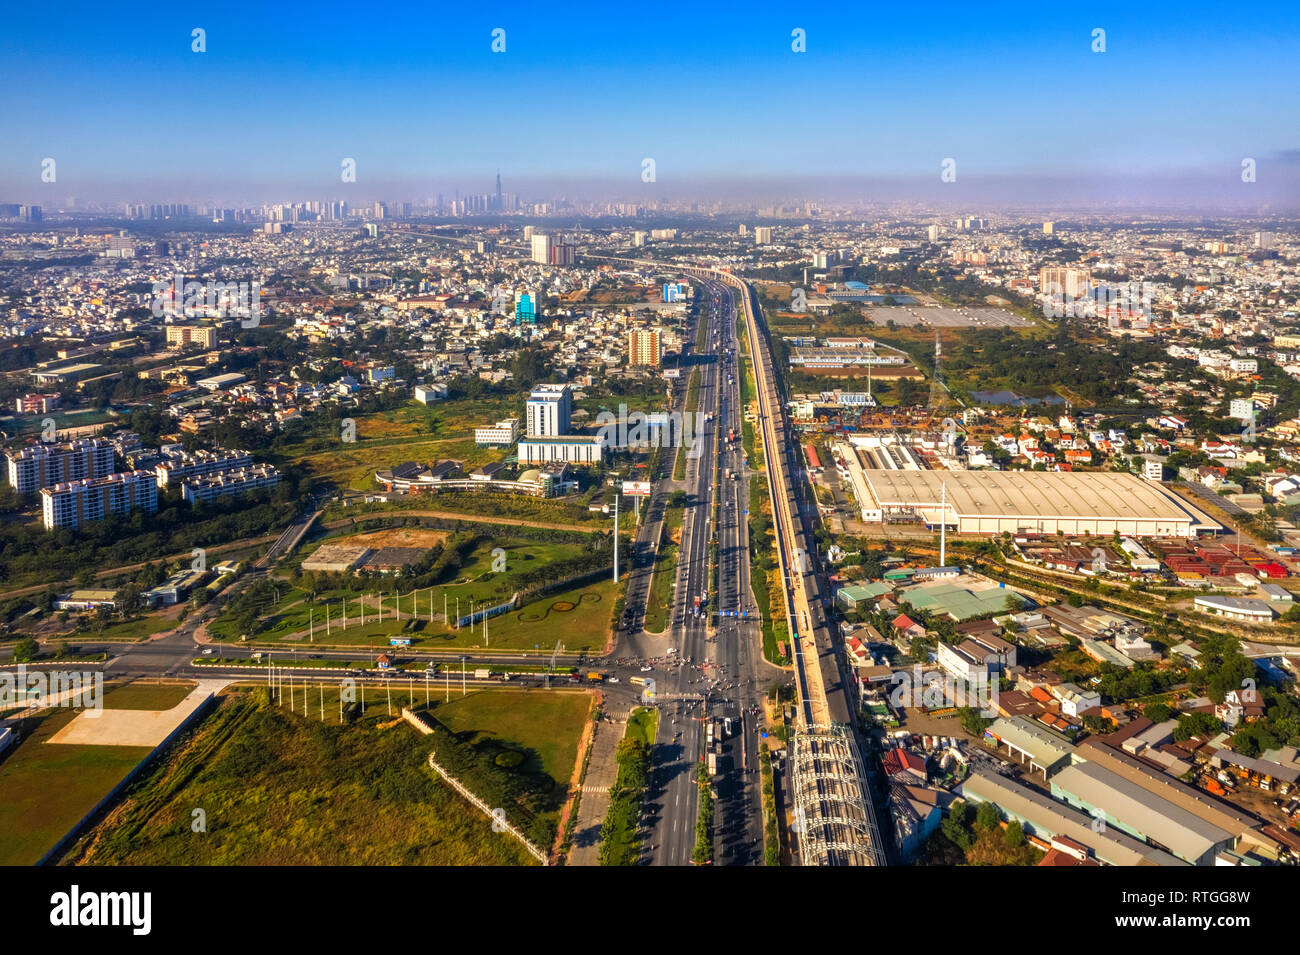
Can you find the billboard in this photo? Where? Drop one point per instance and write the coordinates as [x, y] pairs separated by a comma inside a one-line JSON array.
[[637, 488]]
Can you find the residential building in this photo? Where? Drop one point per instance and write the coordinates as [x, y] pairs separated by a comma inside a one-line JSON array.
[[73, 503], [45, 465]]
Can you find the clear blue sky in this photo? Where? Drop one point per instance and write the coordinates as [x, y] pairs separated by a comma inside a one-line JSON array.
[[415, 95]]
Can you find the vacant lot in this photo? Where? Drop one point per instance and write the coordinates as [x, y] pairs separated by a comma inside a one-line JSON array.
[[281, 789], [46, 788]]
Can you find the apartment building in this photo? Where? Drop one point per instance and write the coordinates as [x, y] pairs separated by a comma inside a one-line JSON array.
[[199, 463], [74, 503], [45, 465], [644, 347], [178, 336], [241, 481], [36, 404]]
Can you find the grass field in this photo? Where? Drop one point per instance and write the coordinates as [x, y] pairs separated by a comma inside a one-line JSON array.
[[136, 629], [546, 723], [46, 789], [691, 406], [580, 617], [146, 696], [280, 789], [292, 618]]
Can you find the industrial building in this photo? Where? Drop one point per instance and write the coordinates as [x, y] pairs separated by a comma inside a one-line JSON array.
[[1044, 818], [1141, 813], [1095, 503]]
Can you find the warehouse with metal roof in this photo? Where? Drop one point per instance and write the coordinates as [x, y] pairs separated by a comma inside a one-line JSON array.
[[1096, 503], [1139, 812], [1030, 742], [1045, 818]]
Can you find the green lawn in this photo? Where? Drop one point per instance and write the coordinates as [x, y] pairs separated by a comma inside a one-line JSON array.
[[643, 724], [294, 618], [147, 696], [580, 617], [546, 723], [279, 788], [136, 629], [46, 789]]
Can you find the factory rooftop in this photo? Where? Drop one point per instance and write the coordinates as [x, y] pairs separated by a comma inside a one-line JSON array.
[[1074, 502]]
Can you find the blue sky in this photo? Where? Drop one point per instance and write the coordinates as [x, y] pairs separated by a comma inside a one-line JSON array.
[[1012, 92]]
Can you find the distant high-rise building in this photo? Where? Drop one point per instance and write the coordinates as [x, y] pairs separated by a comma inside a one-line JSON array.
[[550, 407], [1048, 228], [644, 347], [763, 235], [1067, 281], [541, 248], [638, 239], [932, 233], [563, 252], [500, 201], [1264, 240], [744, 229]]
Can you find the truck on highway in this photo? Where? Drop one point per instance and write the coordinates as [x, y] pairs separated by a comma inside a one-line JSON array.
[[713, 763], [595, 677]]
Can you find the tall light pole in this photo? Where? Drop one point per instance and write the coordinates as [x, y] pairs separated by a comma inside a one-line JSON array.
[[617, 495]]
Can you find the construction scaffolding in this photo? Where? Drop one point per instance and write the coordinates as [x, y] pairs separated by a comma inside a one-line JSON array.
[[834, 819]]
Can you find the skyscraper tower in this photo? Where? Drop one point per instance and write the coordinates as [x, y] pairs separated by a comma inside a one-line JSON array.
[[500, 205]]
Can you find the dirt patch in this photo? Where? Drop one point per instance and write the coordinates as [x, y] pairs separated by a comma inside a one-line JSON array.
[[399, 537]]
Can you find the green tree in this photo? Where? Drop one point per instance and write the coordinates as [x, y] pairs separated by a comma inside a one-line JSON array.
[[25, 650], [987, 817], [1014, 834]]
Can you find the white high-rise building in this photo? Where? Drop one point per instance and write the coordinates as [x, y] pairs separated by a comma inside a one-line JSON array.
[[763, 235], [550, 407], [45, 465], [74, 503], [541, 249]]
